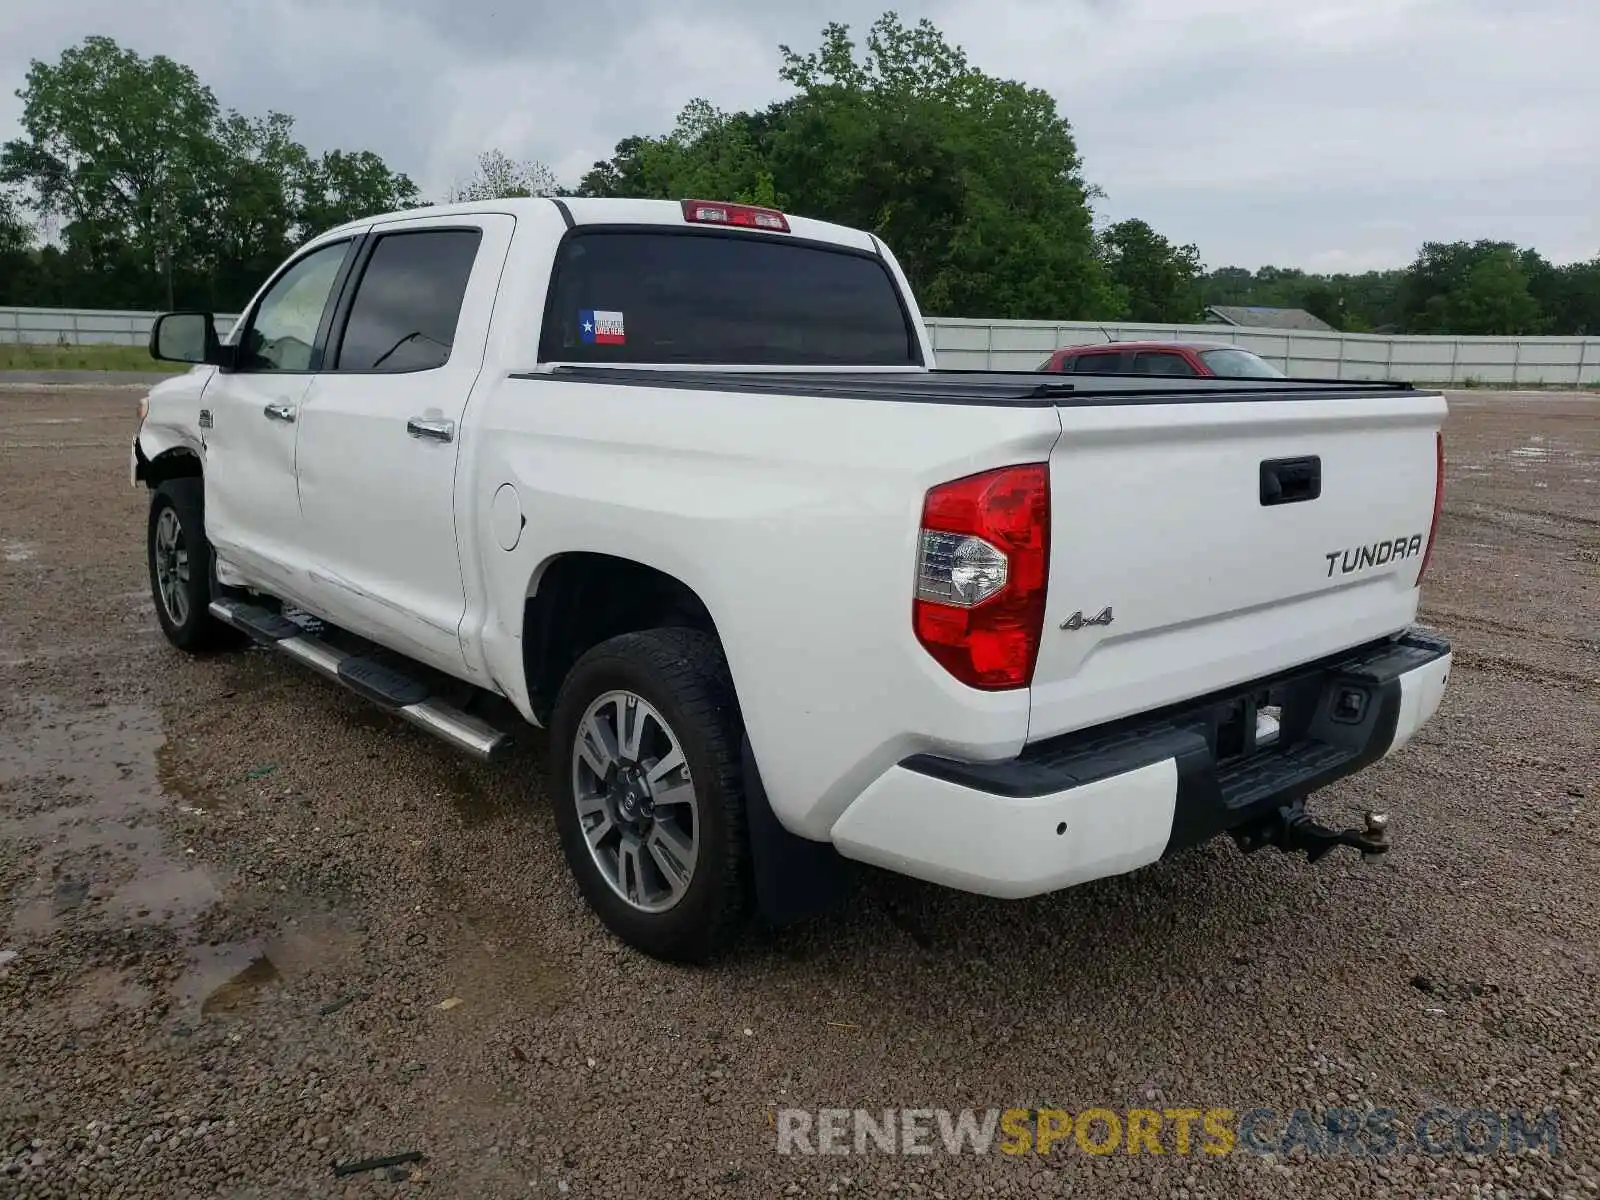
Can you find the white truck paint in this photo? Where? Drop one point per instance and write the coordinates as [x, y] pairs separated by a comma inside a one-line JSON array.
[[793, 514]]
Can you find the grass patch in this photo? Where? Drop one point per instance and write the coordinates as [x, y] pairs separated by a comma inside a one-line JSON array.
[[32, 357]]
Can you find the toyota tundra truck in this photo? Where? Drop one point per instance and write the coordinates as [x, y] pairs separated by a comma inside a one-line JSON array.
[[682, 484]]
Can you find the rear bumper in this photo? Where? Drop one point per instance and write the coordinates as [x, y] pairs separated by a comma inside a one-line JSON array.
[[1104, 801]]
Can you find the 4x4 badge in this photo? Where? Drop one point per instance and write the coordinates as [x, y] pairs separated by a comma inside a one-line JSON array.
[[1077, 620]]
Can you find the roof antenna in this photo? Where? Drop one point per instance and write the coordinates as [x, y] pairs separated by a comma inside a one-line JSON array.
[[1104, 334]]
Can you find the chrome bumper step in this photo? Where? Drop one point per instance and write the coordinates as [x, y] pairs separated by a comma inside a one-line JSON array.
[[384, 686]]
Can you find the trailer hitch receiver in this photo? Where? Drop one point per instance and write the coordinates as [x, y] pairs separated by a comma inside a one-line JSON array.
[[1292, 830]]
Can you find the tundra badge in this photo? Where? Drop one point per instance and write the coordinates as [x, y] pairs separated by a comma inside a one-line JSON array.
[[1358, 558]]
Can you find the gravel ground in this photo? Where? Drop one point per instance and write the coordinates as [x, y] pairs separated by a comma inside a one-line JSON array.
[[237, 901]]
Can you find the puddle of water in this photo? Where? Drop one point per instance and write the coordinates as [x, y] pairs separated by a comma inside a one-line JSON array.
[[84, 785], [229, 978], [189, 795], [226, 979], [16, 552]]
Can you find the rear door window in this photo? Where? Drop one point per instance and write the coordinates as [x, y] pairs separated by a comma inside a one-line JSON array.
[[406, 306], [627, 296]]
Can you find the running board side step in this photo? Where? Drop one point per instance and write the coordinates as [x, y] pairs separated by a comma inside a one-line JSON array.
[[382, 685]]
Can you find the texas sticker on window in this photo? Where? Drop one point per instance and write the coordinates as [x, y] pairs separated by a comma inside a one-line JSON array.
[[601, 328]]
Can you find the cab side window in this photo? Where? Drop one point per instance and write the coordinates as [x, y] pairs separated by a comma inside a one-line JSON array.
[[408, 301], [282, 333]]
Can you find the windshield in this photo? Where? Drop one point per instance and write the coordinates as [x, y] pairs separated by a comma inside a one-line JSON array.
[[687, 297], [1232, 363]]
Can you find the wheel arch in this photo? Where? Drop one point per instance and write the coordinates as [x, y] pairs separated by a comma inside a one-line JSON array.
[[178, 462], [565, 614], [578, 599]]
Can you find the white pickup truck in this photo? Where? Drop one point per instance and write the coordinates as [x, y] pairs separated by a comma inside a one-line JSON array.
[[681, 483]]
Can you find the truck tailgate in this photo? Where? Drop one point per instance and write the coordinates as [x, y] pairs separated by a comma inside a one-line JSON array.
[[1198, 525]]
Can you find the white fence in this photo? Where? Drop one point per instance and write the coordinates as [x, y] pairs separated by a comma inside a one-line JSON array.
[[1023, 345], [82, 326]]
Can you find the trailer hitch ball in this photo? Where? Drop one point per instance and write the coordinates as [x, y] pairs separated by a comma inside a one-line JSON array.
[[1377, 835], [1293, 830]]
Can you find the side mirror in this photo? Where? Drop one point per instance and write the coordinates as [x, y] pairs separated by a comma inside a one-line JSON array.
[[185, 337]]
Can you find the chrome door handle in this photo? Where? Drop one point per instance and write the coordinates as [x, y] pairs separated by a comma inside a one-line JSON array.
[[433, 429], [279, 412]]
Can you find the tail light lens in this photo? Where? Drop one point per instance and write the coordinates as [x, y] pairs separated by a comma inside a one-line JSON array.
[[1438, 505], [981, 573]]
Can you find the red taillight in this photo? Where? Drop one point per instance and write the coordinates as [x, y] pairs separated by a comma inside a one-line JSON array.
[[1438, 506], [982, 564], [747, 216]]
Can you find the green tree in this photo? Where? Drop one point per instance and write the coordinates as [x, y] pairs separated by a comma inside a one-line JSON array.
[[974, 181], [341, 186], [1493, 298], [111, 144], [240, 219], [1158, 281], [163, 197], [708, 155], [620, 175], [1469, 288], [498, 177], [16, 232], [1354, 302], [16, 241], [1569, 296]]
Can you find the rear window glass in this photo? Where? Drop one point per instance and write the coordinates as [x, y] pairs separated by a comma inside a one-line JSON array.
[[683, 297], [1239, 364]]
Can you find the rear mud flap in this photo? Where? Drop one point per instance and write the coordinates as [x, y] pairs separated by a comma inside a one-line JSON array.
[[795, 877]]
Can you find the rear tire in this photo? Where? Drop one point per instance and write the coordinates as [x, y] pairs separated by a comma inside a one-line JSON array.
[[669, 688], [182, 568]]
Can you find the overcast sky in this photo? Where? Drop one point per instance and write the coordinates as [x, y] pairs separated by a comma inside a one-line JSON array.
[[1325, 134]]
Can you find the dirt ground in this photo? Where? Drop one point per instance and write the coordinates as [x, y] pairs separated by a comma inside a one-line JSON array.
[[254, 930]]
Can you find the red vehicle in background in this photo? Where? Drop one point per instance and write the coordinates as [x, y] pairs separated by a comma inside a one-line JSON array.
[[1217, 360]]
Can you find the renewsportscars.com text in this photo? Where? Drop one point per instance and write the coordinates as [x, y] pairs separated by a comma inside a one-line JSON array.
[[1362, 1133]]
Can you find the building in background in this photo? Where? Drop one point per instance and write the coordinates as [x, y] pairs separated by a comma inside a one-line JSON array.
[[1255, 316]]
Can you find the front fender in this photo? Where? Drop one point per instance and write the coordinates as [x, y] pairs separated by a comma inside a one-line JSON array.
[[154, 443], [174, 420]]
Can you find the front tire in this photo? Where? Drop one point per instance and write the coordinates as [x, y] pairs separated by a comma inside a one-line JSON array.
[[181, 568], [649, 792]]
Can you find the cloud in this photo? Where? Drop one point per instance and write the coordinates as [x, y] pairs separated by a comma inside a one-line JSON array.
[[1337, 134]]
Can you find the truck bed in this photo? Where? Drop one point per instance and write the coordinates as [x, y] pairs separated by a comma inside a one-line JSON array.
[[1008, 388], [1224, 531]]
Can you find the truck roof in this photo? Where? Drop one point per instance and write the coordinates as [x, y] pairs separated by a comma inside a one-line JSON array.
[[592, 210]]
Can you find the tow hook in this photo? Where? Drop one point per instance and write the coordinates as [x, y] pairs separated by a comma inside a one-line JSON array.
[[1291, 829]]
